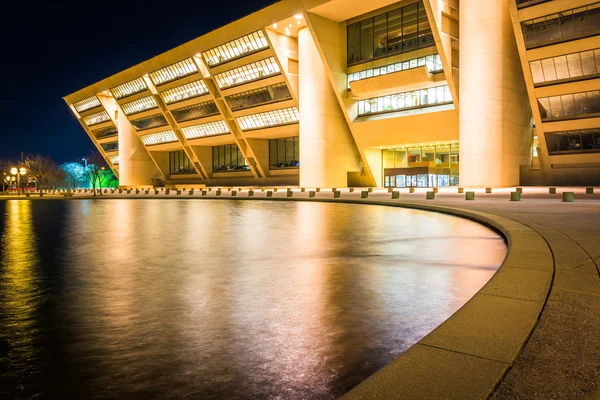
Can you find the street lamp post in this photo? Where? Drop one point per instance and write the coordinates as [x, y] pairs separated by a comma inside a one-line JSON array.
[[18, 172]]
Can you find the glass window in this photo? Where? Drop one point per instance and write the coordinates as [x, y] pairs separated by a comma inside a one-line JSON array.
[[409, 27], [394, 36], [96, 118], [158, 138], [567, 142], [401, 181], [184, 92], [174, 71], [228, 158], [109, 147], [179, 163], [422, 180], [417, 98], [570, 67], [114, 160], [260, 96], [139, 105], [127, 89], [236, 48], [570, 105], [284, 153], [380, 35], [248, 73], [353, 43], [194, 111], [152, 121], [87, 104], [284, 116], [209, 129], [105, 132], [366, 39]]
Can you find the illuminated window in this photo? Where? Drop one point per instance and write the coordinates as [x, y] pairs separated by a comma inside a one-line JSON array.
[[96, 118], [195, 111], [228, 158], [105, 132], [114, 159], [260, 96], [210, 129], [187, 91], [236, 48], [158, 138], [569, 142], [112, 146], [174, 71], [87, 104], [567, 25], [570, 106], [179, 163], [433, 63], [569, 67], [284, 153], [401, 101], [127, 89], [248, 73], [270, 118], [139, 105], [152, 121]]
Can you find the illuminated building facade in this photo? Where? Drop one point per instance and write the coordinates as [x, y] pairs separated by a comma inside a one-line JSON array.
[[336, 93]]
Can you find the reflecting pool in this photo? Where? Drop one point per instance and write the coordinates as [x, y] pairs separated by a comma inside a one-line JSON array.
[[212, 299]]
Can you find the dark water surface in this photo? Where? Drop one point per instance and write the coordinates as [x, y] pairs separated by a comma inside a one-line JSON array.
[[137, 299]]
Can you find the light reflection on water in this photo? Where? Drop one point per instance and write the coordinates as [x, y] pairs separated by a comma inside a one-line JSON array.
[[223, 299]]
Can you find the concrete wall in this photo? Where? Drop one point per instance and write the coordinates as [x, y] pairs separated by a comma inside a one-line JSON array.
[[494, 116]]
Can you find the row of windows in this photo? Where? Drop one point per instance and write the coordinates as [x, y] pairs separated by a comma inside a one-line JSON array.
[[270, 118], [139, 105], [228, 158], [236, 48], [433, 63], [210, 129], [158, 138], [129, 88], [195, 111], [105, 132], [184, 92], [527, 3], [179, 163], [566, 25], [96, 118], [263, 95], [442, 155], [151, 121], [568, 142], [421, 180], [570, 66], [114, 159], [87, 104], [112, 146], [284, 152], [399, 31], [247, 73], [174, 71], [570, 105], [415, 98]]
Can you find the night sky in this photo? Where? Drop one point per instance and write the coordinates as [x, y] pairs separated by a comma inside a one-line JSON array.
[[52, 50]]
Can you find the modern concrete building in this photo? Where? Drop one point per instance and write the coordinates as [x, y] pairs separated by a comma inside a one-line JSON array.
[[335, 93]]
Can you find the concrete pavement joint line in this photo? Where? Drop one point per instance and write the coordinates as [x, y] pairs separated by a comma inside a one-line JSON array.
[[509, 297], [463, 353]]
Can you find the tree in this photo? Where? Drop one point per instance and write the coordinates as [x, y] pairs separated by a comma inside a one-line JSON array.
[[5, 166], [41, 168], [75, 172], [95, 170]]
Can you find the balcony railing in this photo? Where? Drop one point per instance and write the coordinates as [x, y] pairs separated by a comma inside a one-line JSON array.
[[195, 111], [260, 96], [105, 132], [570, 106]]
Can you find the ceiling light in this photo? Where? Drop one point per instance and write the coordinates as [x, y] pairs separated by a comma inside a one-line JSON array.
[[298, 16], [274, 26]]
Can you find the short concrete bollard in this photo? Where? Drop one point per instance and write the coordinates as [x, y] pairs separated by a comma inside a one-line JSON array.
[[229, 189], [411, 190], [191, 192], [204, 192], [336, 194], [275, 190], [333, 190], [167, 191], [262, 189], [390, 190], [470, 196], [233, 193], [120, 191], [364, 194], [156, 191], [184, 189], [303, 190], [461, 190], [430, 195], [395, 194], [311, 193], [178, 192], [519, 189], [552, 190], [269, 193], [210, 189], [488, 190], [105, 191], [370, 190], [218, 192], [317, 190], [27, 195], [240, 189], [289, 193], [568, 197], [250, 193], [137, 191], [146, 191], [128, 191], [351, 190], [435, 190], [515, 196], [41, 194], [589, 190]]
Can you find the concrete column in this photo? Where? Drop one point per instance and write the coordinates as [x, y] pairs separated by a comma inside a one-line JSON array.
[[495, 116], [327, 149]]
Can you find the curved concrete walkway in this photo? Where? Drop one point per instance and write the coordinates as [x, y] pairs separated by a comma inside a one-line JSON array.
[[532, 332]]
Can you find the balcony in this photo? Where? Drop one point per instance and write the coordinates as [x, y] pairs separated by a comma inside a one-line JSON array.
[[395, 82]]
